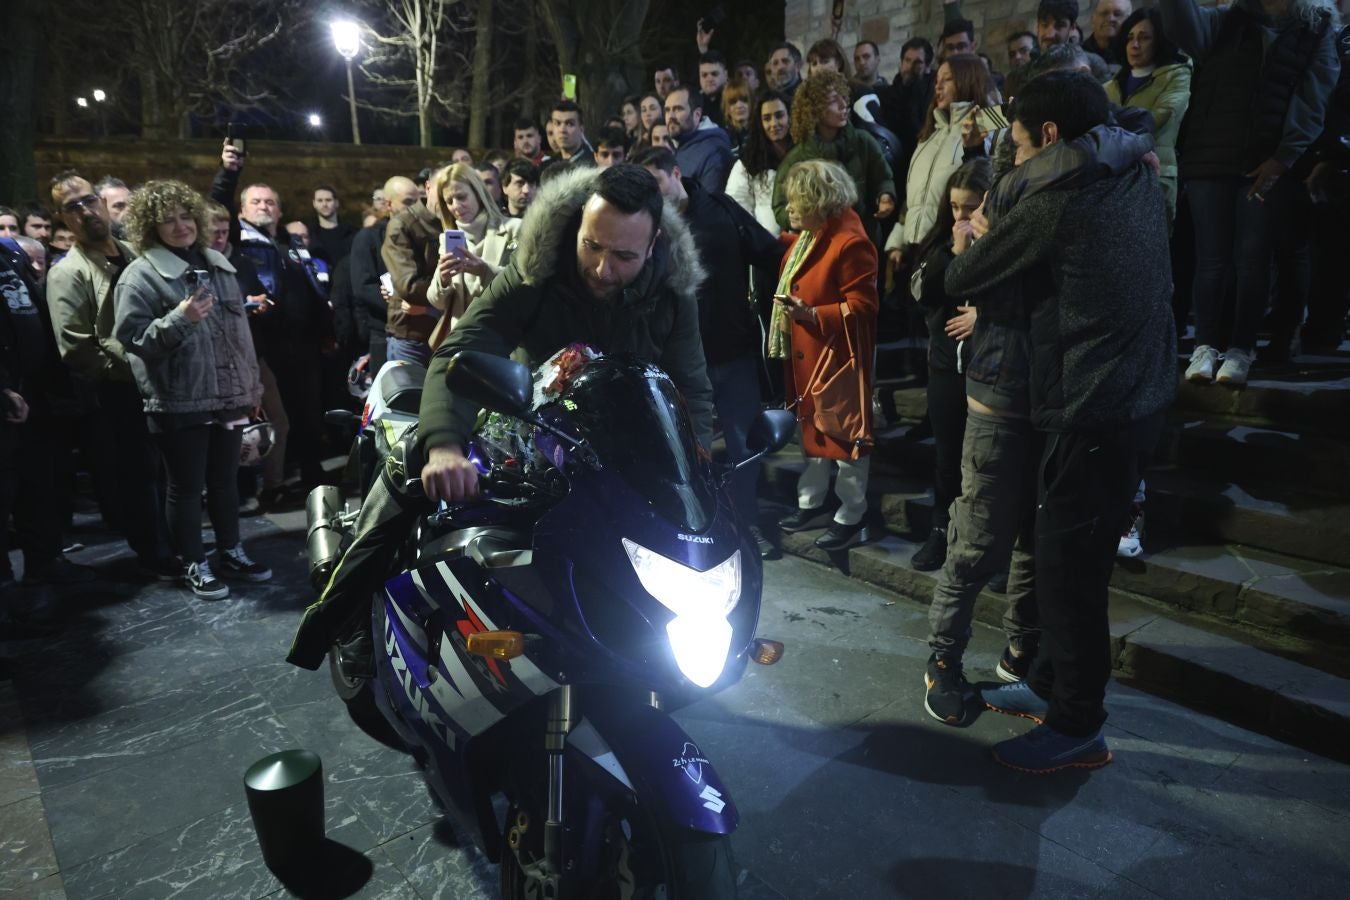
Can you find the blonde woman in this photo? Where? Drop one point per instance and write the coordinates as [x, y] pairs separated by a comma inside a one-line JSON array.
[[180, 315], [824, 328], [461, 200]]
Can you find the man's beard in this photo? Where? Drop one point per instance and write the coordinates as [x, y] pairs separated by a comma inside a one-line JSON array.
[[97, 230], [261, 221], [602, 293]]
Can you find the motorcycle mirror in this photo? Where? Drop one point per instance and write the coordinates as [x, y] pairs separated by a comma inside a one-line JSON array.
[[771, 430], [495, 383], [342, 417]]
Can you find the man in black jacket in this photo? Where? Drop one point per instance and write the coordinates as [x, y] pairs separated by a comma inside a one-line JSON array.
[[600, 263], [729, 242], [1103, 371], [296, 324]]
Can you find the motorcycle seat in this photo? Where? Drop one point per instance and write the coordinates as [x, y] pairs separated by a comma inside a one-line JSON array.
[[401, 387]]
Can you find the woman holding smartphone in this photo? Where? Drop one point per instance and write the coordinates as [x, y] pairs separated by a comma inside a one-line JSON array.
[[180, 315], [477, 244], [824, 327]]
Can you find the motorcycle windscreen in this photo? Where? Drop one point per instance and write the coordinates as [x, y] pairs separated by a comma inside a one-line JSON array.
[[635, 419]]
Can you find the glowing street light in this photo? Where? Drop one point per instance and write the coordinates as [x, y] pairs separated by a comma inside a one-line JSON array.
[[99, 96], [81, 103], [315, 121], [347, 40]]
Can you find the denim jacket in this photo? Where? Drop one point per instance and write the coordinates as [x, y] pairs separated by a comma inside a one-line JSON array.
[[183, 366]]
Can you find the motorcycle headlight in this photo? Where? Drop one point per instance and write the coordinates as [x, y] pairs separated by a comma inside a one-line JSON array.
[[700, 634]]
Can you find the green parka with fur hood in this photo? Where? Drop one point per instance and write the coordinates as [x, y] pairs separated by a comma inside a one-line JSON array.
[[539, 304]]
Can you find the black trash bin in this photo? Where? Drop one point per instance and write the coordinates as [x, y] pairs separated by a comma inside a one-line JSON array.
[[285, 799]]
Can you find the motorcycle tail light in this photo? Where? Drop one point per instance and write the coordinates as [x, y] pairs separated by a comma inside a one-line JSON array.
[[496, 644]]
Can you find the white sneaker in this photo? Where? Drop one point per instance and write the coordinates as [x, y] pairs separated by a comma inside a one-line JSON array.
[[1132, 541], [1203, 361], [1130, 546], [1236, 364]]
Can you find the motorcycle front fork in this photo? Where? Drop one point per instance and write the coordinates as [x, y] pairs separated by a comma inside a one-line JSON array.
[[561, 720]]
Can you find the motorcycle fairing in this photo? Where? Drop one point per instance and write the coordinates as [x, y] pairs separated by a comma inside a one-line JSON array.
[[658, 758]]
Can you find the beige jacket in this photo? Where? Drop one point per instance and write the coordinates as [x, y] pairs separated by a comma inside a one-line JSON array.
[[495, 250], [79, 297]]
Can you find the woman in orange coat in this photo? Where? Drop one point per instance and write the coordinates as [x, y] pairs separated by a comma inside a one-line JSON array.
[[824, 327]]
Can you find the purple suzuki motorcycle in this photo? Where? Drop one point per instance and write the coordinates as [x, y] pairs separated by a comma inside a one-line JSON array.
[[534, 641]]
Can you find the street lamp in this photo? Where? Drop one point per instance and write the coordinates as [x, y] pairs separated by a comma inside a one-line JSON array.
[[99, 96], [81, 103], [347, 39], [315, 121]]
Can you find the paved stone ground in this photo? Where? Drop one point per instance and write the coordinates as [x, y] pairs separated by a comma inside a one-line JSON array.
[[122, 775]]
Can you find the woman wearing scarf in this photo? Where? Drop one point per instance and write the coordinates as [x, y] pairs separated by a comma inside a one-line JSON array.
[[824, 326], [461, 200]]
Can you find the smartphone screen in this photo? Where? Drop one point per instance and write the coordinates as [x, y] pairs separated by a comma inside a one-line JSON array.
[[453, 241]]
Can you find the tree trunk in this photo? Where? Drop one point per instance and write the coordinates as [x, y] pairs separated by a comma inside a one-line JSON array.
[[19, 21], [423, 76], [482, 74]]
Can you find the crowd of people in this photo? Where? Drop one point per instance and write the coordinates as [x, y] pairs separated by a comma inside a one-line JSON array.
[[1053, 226]]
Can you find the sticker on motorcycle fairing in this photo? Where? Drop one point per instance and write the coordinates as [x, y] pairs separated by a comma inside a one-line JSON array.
[[712, 799], [692, 760]]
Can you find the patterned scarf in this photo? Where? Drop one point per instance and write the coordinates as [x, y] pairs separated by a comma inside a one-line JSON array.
[[780, 323]]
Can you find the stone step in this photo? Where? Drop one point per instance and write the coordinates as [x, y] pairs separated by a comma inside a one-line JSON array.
[[1293, 606], [1157, 649], [1307, 462], [1307, 399], [1185, 507]]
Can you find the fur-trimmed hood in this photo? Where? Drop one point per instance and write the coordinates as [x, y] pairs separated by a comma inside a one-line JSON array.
[[553, 217]]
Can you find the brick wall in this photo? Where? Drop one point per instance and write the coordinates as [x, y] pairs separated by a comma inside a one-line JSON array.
[[292, 168]]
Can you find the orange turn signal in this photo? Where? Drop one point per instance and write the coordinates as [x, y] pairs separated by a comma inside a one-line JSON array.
[[767, 652], [496, 644]]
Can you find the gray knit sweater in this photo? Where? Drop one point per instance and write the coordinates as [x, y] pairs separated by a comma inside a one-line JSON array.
[[1103, 340]]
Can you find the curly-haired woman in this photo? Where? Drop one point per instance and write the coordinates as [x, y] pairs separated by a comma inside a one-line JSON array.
[[821, 130], [180, 315]]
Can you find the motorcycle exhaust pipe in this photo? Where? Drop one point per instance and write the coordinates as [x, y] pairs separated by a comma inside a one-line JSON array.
[[323, 545]]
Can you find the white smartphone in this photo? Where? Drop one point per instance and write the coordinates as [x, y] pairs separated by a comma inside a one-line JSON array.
[[453, 241], [387, 282]]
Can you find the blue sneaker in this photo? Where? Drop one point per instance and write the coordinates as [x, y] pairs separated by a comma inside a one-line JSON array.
[[1043, 750], [1017, 700]]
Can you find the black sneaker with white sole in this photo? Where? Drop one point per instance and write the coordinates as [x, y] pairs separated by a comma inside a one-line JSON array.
[[235, 563], [205, 585], [947, 689], [1013, 668]]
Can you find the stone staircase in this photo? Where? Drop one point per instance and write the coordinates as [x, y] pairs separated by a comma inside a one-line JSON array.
[[1240, 605]]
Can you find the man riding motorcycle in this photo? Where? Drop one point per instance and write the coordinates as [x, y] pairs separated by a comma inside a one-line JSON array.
[[632, 289]]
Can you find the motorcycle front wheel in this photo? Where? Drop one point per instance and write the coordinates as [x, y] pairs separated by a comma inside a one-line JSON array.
[[638, 859]]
